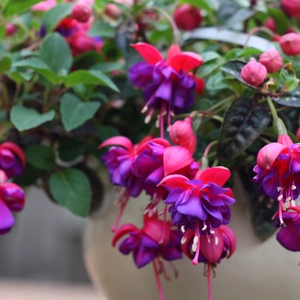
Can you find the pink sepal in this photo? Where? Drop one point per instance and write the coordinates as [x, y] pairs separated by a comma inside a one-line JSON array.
[[148, 52], [268, 154], [117, 141], [212, 246], [218, 175], [175, 181], [231, 237], [174, 50], [16, 150], [124, 229], [186, 61], [285, 140]]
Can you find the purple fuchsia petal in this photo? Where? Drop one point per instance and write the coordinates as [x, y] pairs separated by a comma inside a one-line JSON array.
[[171, 253], [140, 74], [6, 218], [7, 158], [13, 196], [143, 256], [289, 237]]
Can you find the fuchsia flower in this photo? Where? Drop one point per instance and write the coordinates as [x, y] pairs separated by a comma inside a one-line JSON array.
[[272, 60], [166, 82], [12, 159], [278, 172], [254, 73], [290, 44], [187, 17], [10, 29], [12, 198], [200, 204]]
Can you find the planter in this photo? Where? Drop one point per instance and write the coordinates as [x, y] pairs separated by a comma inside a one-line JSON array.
[[258, 270]]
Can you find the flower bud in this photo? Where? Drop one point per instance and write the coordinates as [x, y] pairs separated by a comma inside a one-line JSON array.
[[82, 12], [146, 18], [10, 29], [290, 44], [272, 60], [113, 11], [187, 17], [270, 24], [80, 43], [254, 73], [291, 7]]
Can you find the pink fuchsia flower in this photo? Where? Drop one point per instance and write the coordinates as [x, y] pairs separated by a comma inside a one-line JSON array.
[[82, 12], [272, 60], [290, 44], [291, 7], [278, 172], [12, 198], [44, 5], [254, 73], [12, 159], [289, 236], [166, 83], [201, 204], [187, 17]]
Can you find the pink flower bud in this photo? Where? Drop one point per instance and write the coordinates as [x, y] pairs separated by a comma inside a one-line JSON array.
[[10, 29], [290, 44], [291, 7], [270, 24], [82, 12], [272, 60], [80, 43], [113, 11], [187, 17], [254, 73]]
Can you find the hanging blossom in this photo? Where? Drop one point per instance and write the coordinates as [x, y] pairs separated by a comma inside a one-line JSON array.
[[222, 244], [278, 172], [200, 204], [12, 159], [12, 199], [167, 84], [149, 244]]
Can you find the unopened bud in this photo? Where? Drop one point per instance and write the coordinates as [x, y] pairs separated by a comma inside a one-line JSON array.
[[254, 73], [82, 12], [187, 17], [291, 7], [272, 60], [290, 44]]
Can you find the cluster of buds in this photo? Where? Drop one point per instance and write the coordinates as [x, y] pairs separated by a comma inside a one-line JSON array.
[[196, 205], [12, 197]]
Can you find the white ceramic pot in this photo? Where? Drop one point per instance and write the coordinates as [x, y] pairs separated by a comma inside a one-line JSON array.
[[257, 271]]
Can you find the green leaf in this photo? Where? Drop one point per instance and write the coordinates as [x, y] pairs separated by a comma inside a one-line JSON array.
[[281, 22], [209, 55], [291, 99], [107, 67], [261, 207], [19, 76], [102, 29], [71, 188], [25, 118], [30, 176], [74, 112], [12, 7], [5, 64], [39, 66], [56, 53], [54, 15], [291, 84], [209, 67], [244, 121], [215, 82], [90, 77], [234, 68], [240, 16], [41, 157]]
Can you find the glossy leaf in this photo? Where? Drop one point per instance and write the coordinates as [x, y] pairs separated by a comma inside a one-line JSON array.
[[209, 67], [56, 53], [281, 21], [291, 99], [70, 149], [54, 15], [5, 64], [102, 29], [41, 157], [90, 77], [12, 7], [244, 121], [71, 188], [239, 16], [25, 118], [74, 112]]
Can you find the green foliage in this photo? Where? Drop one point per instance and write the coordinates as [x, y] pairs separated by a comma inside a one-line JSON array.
[[75, 112], [102, 29], [5, 64], [12, 7], [71, 189], [25, 118]]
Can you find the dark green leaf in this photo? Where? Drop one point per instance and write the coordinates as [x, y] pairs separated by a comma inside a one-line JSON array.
[[239, 16], [102, 29], [39, 66], [281, 22], [226, 10], [234, 68], [107, 67], [41, 157], [215, 82], [54, 15], [25, 118], [70, 149], [5, 64], [71, 188], [90, 77], [75, 112], [262, 208], [12, 7], [209, 67], [243, 123], [291, 99], [30, 176], [56, 53]]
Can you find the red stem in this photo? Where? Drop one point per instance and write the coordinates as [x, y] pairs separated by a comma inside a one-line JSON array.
[[159, 286], [162, 239]]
